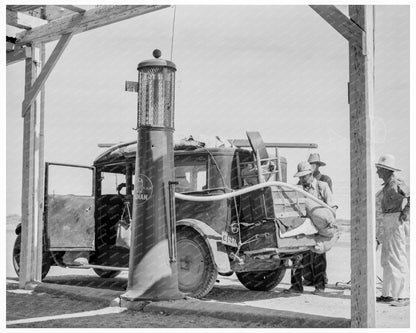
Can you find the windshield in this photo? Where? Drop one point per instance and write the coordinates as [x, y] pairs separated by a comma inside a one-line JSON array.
[[201, 172], [191, 173]]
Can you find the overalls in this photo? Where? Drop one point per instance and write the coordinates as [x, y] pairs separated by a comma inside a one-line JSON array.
[[391, 233], [313, 265], [394, 256]]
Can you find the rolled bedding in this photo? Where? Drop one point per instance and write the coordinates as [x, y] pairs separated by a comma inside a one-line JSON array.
[[324, 220]]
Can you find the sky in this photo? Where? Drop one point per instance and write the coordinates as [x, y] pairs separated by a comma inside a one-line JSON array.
[[280, 70]]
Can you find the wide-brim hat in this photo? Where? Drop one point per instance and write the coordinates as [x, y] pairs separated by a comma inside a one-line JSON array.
[[388, 162], [315, 158], [304, 168]]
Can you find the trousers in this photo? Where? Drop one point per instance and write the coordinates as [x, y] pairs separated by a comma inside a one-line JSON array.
[[313, 269], [394, 256]]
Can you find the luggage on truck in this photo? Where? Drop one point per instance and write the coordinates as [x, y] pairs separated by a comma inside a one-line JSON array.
[[324, 220]]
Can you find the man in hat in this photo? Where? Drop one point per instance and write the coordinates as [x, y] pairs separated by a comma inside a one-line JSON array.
[[316, 258], [315, 161], [322, 191], [392, 221]]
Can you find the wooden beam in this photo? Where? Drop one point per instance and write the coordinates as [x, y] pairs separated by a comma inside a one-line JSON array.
[[22, 8], [22, 20], [53, 13], [341, 23], [46, 71], [91, 19], [18, 55], [362, 168], [12, 31], [40, 172], [73, 8], [27, 260]]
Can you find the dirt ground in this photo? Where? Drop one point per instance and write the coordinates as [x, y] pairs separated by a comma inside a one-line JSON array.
[[334, 303], [21, 306]]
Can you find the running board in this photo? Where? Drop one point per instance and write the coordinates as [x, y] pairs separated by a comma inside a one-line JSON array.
[[277, 251], [105, 268]]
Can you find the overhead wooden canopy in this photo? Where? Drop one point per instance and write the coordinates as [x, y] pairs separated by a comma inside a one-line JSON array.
[[28, 29], [29, 25]]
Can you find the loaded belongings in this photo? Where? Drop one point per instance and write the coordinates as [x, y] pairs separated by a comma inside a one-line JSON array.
[[250, 173], [189, 143], [324, 220], [124, 227]]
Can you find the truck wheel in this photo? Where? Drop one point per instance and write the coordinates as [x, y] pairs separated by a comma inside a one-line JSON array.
[[106, 274], [262, 280], [196, 270], [46, 259]]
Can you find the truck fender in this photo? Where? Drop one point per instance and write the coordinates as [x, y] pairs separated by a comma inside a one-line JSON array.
[[213, 241]]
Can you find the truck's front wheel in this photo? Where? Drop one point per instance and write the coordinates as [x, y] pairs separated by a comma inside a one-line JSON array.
[[196, 270], [262, 280]]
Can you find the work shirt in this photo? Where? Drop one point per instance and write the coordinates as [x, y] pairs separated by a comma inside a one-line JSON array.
[[393, 194], [323, 178], [321, 191]]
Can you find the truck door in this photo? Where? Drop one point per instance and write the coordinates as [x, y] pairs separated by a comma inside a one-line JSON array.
[[69, 207]]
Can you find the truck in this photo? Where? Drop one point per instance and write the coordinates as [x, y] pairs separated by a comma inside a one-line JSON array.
[[243, 234]]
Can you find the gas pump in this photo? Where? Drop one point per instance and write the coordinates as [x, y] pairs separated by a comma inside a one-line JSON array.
[[153, 273]]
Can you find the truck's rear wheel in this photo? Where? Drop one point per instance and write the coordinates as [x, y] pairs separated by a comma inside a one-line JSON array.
[[46, 259], [196, 270], [105, 273], [262, 280]]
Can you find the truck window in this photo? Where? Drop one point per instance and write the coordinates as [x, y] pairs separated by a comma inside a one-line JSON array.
[[64, 179], [110, 181], [191, 173]]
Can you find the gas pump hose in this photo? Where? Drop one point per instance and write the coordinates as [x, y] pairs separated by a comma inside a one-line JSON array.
[[250, 189]]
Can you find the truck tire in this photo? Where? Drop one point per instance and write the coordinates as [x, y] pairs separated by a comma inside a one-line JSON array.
[[106, 274], [46, 258], [196, 270], [262, 280]]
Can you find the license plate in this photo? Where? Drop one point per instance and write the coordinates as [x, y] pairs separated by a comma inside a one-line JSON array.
[[228, 239]]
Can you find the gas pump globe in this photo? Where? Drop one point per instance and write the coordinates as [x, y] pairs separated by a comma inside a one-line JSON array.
[[156, 92], [152, 264]]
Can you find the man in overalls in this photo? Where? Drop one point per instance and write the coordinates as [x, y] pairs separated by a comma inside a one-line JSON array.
[[392, 226], [316, 259], [313, 272]]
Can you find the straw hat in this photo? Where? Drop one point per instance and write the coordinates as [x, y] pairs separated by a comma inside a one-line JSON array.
[[388, 162], [315, 158], [304, 168]]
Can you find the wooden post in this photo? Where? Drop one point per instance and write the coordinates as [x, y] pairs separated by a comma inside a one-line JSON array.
[[33, 159], [358, 29], [361, 90], [29, 220], [41, 174]]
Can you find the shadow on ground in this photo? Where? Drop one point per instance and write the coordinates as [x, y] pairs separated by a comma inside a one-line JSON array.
[[229, 294], [220, 303]]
